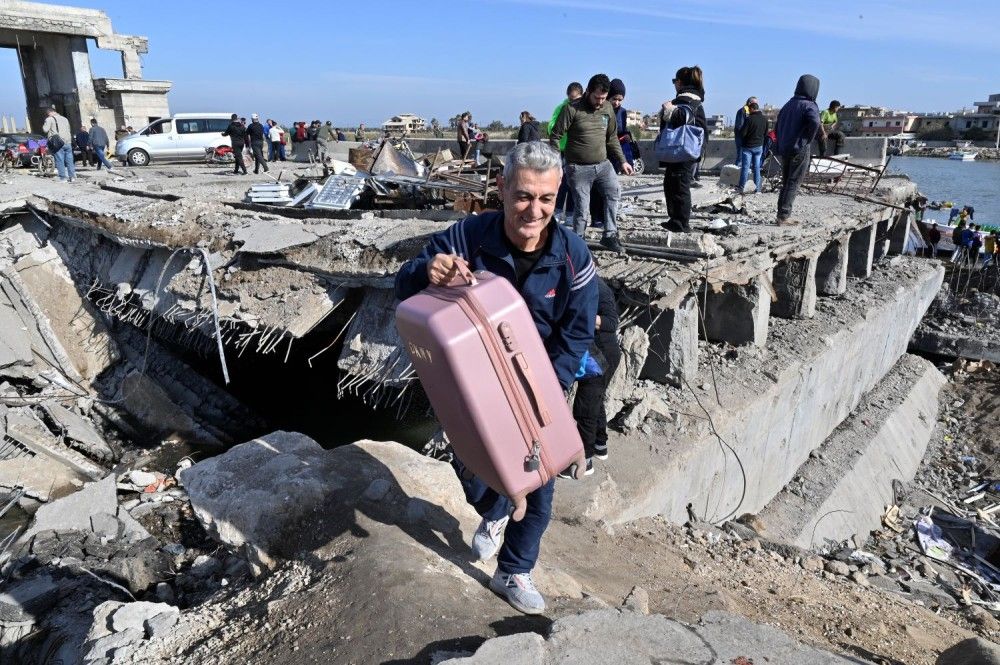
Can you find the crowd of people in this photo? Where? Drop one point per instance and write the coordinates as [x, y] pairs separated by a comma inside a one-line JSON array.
[[575, 171], [974, 246], [248, 139], [92, 143]]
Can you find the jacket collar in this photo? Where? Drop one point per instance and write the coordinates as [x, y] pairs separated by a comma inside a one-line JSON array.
[[493, 242]]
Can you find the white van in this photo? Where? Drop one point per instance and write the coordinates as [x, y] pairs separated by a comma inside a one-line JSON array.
[[181, 137]]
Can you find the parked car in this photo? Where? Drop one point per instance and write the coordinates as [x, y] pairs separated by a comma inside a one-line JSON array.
[[184, 136], [23, 144]]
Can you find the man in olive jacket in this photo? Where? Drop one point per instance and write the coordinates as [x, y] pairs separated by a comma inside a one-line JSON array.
[[591, 133]]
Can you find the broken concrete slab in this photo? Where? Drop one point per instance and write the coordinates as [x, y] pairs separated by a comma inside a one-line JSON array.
[[843, 488], [622, 386], [738, 313], [270, 236], [673, 343], [79, 431], [135, 615], [15, 344], [621, 636], [973, 651], [27, 599], [70, 320], [76, 512]]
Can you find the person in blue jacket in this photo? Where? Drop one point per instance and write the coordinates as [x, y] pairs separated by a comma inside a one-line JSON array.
[[553, 271]]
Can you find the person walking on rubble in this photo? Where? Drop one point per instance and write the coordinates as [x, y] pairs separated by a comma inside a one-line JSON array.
[[99, 143], [529, 129], [797, 125], [256, 132], [616, 97], [359, 134], [751, 134], [237, 134], [684, 109], [526, 246], [592, 137], [57, 131], [564, 202], [246, 143]]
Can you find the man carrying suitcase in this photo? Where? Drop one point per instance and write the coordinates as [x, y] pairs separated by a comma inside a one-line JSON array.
[[552, 269]]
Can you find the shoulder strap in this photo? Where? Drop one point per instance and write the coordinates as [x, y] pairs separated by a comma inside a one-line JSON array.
[[689, 118]]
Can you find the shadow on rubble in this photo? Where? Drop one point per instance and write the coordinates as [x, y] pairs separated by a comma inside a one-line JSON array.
[[868, 656], [369, 490], [324, 515], [509, 626]]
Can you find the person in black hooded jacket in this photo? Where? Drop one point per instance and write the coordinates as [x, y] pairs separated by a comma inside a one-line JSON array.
[[796, 127], [529, 129], [677, 177], [237, 135]]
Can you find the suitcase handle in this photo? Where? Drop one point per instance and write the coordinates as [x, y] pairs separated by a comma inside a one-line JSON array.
[[462, 270], [510, 343]]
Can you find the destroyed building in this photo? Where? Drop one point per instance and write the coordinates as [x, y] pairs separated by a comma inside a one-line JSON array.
[[192, 368], [52, 44]]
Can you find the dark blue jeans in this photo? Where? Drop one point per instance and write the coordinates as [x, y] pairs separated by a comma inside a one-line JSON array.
[[750, 160], [521, 540]]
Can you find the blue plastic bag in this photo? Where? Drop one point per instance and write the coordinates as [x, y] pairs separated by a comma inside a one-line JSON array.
[[588, 368]]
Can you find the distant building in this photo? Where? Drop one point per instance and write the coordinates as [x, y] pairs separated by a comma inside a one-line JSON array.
[[987, 122], [850, 117], [406, 122], [990, 106], [633, 117], [932, 122], [716, 124], [890, 125]]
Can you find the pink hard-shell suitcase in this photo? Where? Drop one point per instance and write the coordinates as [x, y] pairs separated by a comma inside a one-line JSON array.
[[482, 363]]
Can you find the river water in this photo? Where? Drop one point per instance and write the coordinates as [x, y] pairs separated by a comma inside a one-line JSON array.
[[966, 183]]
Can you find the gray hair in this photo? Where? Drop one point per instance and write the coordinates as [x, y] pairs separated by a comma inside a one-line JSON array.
[[534, 156]]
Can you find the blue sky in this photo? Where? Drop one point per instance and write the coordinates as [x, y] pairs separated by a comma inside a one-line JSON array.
[[365, 61]]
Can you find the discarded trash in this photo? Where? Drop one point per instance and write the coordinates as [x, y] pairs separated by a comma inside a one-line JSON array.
[[891, 519], [932, 540], [269, 193]]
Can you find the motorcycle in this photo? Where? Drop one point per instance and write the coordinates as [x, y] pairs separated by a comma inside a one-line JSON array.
[[222, 154]]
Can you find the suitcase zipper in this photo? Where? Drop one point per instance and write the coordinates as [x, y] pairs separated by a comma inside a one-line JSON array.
[[537, 451]]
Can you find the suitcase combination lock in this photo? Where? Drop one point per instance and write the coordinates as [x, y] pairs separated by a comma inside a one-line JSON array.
[[533, 461]]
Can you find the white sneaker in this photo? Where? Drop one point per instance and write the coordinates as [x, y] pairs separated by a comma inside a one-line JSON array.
[[488, 538], [519, 590]]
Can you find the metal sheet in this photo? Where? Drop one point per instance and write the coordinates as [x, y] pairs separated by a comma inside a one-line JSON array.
[[338, 193]]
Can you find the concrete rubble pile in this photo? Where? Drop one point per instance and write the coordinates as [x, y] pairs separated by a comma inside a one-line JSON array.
[[74, 577], [130, 305], [964, 320]]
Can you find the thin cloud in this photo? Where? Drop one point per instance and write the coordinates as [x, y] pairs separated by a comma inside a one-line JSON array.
[[858, 21]]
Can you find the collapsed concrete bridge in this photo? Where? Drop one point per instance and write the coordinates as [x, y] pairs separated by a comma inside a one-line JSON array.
[[743, 352]]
